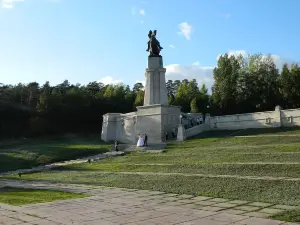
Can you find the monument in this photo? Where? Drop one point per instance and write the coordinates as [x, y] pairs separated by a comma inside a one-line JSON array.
[[156, 117]]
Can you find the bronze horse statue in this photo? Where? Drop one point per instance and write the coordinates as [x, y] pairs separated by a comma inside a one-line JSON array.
[[153, 44]]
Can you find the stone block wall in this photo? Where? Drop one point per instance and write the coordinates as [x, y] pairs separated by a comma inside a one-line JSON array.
[[276, 118], [290, 117], [117, 126], [196, 130]]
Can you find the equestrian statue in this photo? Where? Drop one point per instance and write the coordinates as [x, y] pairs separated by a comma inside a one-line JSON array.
[[154, 47]]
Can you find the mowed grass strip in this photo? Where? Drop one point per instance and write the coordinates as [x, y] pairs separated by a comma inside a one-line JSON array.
[[272, 191], [30, 154], [288, 216], [273, 170], [20, 196], [165, 158]]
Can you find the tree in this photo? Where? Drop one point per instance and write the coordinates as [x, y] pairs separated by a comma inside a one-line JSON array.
[[194, 106], [241, 84], [137, 87], [289, 83], [225, 76], [139, 100]]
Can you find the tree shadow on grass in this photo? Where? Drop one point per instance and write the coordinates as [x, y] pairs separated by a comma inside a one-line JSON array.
[[10, 163], [11, 189], [28, 156]]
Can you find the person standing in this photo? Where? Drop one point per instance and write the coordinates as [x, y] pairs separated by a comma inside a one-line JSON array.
[[140, 142], [116, 146], [166, 136], [173, 133], [145, 140], [200, 119]]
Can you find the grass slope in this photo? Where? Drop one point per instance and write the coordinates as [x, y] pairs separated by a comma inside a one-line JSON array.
[[19, 196], [272, 152], [36, 152]]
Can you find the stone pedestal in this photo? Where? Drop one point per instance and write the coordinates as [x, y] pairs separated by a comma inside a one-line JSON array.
[[155, 88], [156, 120], [181, 133], [277, 118], [109, 126]]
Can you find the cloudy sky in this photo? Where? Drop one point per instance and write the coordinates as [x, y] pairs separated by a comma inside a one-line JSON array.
[[105, 40]]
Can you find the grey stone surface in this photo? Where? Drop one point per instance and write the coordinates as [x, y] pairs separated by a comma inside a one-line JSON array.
[[154, 118], [271, 210], [205, 203], [238, 202], [155, 87], [212, 208], [257, 214], [224, 205], [118, 206], [234, 211], [218, 200], [260, 204], [247, 208], [201, 198]]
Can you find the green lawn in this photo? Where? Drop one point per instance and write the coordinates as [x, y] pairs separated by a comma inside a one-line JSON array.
[[30, 153], [211, 153], [289, 216], [19, 196]]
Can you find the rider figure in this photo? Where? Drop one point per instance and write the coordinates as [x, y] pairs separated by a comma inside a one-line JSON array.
[[152, 38]]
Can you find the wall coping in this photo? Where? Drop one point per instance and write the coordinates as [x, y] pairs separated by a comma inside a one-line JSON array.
[[157, 106]]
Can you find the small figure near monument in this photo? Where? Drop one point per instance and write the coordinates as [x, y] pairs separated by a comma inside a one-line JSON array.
[[145, 140], [153, 44], [116, 146], [166, 136], [173, 133], [140, 142]]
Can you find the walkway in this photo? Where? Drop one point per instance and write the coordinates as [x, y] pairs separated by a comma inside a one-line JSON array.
[[116, 206]]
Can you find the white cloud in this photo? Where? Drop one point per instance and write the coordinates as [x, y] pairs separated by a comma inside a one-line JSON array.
[[141, 81], [142, 12], [278, 60], [109, 80], [9, 3], [185, 30], [203, 74], [171, 46]]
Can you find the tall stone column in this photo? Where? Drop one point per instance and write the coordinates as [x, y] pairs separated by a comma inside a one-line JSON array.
[[155, 88]]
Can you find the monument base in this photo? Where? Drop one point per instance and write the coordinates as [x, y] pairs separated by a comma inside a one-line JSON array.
[[156, 120], [153, 120]]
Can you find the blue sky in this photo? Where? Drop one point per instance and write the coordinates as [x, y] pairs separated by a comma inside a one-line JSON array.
[[105, 40]]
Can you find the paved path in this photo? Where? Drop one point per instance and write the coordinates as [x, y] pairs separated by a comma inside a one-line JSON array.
[[116, 206]]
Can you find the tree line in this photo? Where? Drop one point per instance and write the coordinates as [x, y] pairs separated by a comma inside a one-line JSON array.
[[241, 84]]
